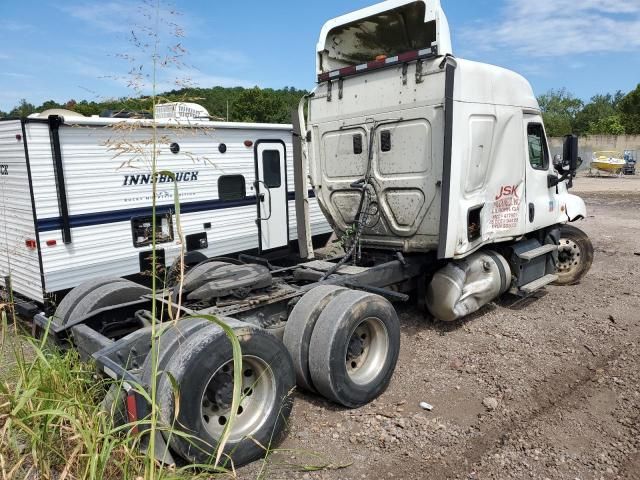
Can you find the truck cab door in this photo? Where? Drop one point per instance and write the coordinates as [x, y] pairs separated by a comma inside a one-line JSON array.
[[542, 203], [271, 193]]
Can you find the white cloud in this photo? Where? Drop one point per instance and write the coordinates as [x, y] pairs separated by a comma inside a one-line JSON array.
[[120, 16], [14, 27], [557, 28], [113, 16], [16, 75]]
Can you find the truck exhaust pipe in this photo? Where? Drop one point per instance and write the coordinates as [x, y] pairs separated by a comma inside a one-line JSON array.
[[464, 286]]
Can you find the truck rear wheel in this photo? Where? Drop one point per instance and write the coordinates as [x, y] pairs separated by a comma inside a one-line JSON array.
[[575, 255], [114, 404], [202, 368], [354, 348], [300, 325], [169, 341]]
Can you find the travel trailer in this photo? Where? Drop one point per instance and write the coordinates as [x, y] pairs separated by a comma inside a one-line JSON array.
[[435, 173], [77, 201]]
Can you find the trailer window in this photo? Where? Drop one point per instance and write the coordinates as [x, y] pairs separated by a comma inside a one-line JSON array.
[[142, 230], [538, 155], [232, 187], [271, 168]]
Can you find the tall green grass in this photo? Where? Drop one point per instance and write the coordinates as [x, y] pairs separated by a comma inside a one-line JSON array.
[[51, 424]]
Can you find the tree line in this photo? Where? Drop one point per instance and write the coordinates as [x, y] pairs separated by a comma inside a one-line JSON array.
[[237, 104], [608, 114]]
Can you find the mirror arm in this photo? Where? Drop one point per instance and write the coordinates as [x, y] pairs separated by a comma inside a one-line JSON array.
[[554, 180]]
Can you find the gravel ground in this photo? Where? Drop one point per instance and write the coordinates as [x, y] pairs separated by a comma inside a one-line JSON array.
[[550, 389]]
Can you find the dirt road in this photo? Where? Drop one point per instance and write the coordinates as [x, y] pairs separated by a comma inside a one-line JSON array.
[[546, 390]]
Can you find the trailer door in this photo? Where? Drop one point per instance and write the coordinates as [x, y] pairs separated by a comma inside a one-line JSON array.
[[271, 193]]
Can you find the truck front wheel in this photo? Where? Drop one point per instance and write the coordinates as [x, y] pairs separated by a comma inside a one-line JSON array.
[[575, 255]]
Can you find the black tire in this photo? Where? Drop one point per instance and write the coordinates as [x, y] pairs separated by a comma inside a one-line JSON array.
[[354, 348], [71, 299], [169, 341], [114, 402], [575, 255], [299, 327], [203, 359], [113, 293], [114, 405]]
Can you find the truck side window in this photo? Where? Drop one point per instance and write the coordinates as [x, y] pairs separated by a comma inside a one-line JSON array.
[[271, 168], [231, 187], [538, 156]]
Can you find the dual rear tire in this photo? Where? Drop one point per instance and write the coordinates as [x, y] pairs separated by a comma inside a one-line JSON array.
[[200, 375], [344, 344], [194, 372]]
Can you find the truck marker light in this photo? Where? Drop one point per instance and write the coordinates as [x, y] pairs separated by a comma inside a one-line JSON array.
[[18, 137], [31, 244], [51, 243], [381, 61], [248, 143]]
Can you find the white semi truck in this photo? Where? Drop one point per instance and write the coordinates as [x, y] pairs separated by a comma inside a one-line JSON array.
[[436, 173]]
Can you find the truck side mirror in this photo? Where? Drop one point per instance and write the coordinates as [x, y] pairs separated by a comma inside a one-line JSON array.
[[570, 152]]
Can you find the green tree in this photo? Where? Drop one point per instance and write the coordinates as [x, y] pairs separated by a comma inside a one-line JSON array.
[[629, 108], [258, 105], [559, 110], [23, 109], [48, 105], [611, 125], [599, 112]]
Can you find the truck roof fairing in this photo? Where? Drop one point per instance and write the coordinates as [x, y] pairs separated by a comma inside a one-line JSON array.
[[408, 25]]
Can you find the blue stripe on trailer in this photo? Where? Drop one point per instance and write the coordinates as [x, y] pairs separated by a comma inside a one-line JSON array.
[[124, 215]]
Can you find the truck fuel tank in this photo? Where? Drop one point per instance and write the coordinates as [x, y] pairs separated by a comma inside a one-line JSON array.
[[464, 286]]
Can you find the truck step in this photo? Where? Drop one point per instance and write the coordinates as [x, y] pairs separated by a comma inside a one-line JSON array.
[[529, 288], [538, 252]]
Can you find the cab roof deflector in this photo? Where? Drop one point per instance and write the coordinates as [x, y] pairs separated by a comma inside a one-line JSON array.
[[356, 39]]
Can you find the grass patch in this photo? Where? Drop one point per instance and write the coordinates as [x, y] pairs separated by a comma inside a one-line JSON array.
[[51, 424]]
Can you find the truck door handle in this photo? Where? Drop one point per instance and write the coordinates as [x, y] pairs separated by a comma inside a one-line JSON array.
[[532, 212]]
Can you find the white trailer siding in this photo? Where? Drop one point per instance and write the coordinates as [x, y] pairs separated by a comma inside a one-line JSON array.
[[99, 162], [16, 216]]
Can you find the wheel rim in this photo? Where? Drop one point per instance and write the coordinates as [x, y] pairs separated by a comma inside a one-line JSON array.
[[257, 400], [367, 350], [569, 256]]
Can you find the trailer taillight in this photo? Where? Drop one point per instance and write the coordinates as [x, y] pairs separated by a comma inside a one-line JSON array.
[[51, 243], [31, 244]]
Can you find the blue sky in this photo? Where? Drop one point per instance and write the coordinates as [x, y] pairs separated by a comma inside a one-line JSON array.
[[69, 49]]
